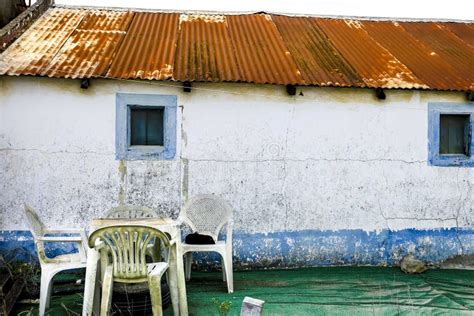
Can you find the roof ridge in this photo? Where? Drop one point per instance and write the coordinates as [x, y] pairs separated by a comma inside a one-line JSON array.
[[322, 16]]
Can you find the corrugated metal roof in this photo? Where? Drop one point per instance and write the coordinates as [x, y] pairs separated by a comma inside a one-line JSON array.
[[89, 50], [426, 64], [376, 66], [205, 50], [258, 48], [462, 30], [315, 56], [261, 54], [34, 50], [148, 50]]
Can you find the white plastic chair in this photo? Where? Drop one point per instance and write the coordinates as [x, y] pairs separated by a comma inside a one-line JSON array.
[[206, 215], [51, 266], [130, 211]]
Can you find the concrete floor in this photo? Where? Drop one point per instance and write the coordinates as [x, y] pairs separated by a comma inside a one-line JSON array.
[[321, 291]]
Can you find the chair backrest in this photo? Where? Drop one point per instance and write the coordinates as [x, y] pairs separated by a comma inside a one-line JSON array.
[[206, 214], [130, 211], [126, 247], [36, 226], [37, 230]]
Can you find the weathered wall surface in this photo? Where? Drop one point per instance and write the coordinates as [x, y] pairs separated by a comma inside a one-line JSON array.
[[331, 177]]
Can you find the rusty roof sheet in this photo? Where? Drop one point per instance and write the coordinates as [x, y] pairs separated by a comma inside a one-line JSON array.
[[148, 50], [258, 48], [89, 50], [205, 50], [261, 53], [374, 63], [462, 30], [39, 44], [315, 56], [426, 64]]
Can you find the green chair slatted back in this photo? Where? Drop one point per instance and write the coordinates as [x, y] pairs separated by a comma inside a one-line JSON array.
[[126, 247]]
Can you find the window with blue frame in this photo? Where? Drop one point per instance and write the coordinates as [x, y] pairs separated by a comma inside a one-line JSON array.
[[450, 134], [145, 126]]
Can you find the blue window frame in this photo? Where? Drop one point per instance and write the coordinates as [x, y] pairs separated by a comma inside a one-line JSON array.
[[145, 126], [450, 141]]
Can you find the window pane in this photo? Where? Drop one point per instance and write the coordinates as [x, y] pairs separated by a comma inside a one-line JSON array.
[[154, 127], [138, 127], [146, 127], [452, 137]]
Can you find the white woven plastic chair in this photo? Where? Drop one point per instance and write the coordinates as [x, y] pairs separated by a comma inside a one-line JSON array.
[[207, 215], [51, 266]]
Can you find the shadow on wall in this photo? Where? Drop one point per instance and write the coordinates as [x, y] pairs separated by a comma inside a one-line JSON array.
[[9, 9]]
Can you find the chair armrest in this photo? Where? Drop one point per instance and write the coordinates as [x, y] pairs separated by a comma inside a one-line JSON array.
[[81, 240], [60, 239], [230, 228], [63, 231]]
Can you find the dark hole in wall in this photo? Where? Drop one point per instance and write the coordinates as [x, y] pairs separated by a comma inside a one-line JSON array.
[[10, 9]]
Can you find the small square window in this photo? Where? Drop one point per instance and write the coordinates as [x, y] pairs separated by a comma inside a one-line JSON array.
[[450, 140], [145, 126], [453, 133]]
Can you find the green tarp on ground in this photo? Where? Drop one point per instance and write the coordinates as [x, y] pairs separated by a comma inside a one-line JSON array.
[[324, 291]]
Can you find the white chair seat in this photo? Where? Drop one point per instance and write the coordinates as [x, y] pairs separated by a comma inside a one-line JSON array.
[[157, 268], [73, 258], [220, 244]]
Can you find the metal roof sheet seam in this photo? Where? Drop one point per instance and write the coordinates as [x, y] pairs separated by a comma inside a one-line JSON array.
[[68, 42]]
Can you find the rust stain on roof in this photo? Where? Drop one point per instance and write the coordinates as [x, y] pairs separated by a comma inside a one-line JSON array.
[[35, 49], [377, 66], [256, 48], [446, 45], [462, 30], [425, 63], [89, 50], [148, 49], [261, 54], [316, 57], [204, 50]]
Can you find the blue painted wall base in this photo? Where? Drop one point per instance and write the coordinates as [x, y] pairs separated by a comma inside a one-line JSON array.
[[302, 248]]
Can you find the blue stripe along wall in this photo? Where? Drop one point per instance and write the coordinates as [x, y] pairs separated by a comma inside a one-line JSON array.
[[302, 248]]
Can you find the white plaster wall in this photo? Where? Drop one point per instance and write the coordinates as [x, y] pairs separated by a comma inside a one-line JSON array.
[[329, 160]]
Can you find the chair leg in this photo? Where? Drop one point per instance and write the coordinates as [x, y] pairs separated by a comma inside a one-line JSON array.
[[154, 282], [45, 290], [224, 278], [107, 286], [189, 260], [173, 278], [229, 271]]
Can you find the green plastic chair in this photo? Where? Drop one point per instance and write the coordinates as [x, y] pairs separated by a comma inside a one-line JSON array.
[[127, 211], [124, 250]]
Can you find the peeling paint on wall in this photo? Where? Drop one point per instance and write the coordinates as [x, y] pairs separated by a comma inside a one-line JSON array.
[[307, 248]]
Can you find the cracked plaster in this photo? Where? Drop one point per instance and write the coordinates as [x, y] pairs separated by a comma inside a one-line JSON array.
[[318, 162]]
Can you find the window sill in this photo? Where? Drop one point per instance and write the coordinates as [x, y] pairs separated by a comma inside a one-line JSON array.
[[147, 153], [452, 161]]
